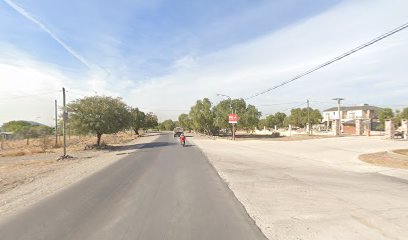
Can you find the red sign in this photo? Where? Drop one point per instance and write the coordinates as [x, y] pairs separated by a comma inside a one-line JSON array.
[[233, 118]]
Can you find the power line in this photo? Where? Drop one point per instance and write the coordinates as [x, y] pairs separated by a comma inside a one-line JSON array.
[[381, 37]]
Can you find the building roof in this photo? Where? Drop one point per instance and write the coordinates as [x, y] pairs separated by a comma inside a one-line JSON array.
[[364, 107]]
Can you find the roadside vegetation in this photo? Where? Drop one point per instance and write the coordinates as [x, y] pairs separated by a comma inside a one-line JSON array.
[[206, 118], [90, 116], [396, 116]]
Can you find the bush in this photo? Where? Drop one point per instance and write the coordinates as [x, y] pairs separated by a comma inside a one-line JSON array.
[[275, 134]]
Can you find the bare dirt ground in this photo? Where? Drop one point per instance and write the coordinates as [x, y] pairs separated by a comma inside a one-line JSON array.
[[393, 159], [315, 189], [27, 179], [402, 151], [46, 144]]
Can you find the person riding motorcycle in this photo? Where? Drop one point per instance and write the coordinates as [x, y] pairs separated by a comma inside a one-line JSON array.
[[182, 139]]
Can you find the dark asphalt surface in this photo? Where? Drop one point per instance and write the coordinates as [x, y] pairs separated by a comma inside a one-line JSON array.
[[162, 191]]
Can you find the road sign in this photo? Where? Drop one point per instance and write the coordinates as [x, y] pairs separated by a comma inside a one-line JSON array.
[[233, 118]]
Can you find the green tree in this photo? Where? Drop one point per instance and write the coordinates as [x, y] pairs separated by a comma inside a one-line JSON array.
[[248, 115], [26, 129], [298, 117], [385, 113], [202, 116], [250, 118], [184, 121], [404, 113], [151, 121], [137, 120], [167, 125], [16, 126], [221, 112], [262, 124], [279, 117], [98, 115]]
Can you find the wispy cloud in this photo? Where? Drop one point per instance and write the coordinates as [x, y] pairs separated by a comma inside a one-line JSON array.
[[247, 68], [27, 15]]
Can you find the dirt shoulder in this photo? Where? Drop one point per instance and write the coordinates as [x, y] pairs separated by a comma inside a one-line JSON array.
[[393, 159], [25, 180]]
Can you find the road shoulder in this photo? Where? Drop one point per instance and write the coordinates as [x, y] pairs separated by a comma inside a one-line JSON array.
[[55, 177]]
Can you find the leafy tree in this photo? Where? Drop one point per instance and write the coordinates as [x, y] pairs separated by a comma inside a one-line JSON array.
[[221, 112], [250, 118], [16, 126], [262, 123], [27, 129], [279, 117], [385, 113], [404, 113], [151, 121], [167, 125], [202, 116], [248, 115], [99, 115], [298, 117], [184, 121], [137, 119]]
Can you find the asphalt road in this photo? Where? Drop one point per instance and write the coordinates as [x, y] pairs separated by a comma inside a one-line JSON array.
[[162, 191]]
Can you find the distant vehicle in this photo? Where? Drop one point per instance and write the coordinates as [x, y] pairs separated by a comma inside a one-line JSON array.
[[399, 134], [178, 131]]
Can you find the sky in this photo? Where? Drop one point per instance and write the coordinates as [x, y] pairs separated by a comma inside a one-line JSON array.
[[162, 56]]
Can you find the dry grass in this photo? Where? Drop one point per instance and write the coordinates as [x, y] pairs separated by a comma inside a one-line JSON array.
[[21, 152], [401, 151], [385, 159], [14, 148]]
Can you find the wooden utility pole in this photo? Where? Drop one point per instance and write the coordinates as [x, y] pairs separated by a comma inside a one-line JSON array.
[[56, 123], [64, 127]]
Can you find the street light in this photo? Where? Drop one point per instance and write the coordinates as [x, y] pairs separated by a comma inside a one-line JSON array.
[[338, 129]]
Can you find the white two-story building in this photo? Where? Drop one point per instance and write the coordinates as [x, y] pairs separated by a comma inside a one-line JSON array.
[[349, 114]]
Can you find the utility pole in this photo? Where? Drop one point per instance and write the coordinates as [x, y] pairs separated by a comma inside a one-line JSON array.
[[338, 112], [308, 118], [56, 123], [233, 125], [64, 127]]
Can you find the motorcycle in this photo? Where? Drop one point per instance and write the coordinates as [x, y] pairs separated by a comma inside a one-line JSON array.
[[183, 140]]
